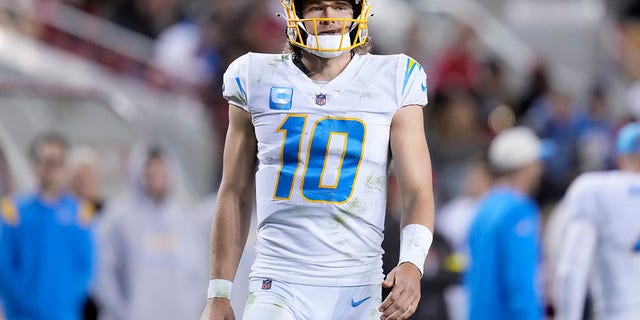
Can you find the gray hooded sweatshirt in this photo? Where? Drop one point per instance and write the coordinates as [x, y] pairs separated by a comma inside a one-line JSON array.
[[152, 259]]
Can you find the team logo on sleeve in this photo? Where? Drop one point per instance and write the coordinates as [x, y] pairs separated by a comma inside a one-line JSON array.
[[411, 65], [266, 284], [321, 99], [280, 98]]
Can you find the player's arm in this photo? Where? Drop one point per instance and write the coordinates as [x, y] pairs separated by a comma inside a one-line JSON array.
[[577, 249], [570, 280], [413, 170], [233, 210]]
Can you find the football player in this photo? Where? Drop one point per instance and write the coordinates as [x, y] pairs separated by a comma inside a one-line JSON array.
[[318, 123], [601, 244]]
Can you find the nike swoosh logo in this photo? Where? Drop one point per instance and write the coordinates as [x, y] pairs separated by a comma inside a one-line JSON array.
[[424, 87], [357, 303]]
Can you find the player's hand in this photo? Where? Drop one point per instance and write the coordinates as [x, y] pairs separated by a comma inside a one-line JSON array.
[[403, 299], [218, 309]]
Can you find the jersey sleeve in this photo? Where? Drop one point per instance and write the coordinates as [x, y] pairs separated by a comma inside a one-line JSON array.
[[412, 83], [576, 248], [572, 270], [580, 201], [234, 86]]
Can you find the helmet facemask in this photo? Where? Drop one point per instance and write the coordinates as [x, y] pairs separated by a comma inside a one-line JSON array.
[[354, 30]]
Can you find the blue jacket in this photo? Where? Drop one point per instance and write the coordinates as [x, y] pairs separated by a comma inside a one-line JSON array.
[[46, 257], [502, 278]]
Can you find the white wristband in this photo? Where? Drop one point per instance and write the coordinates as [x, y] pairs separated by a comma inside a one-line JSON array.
[[219, 288], [415, 241]]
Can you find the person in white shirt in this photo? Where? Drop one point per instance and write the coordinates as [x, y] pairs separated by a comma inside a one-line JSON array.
[[320, 123], [600, 249]]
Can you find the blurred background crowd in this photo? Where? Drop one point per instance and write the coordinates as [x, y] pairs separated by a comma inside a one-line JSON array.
[[133, 86]]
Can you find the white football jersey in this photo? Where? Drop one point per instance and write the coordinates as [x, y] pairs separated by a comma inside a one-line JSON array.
[[601, 247], [323, 151]]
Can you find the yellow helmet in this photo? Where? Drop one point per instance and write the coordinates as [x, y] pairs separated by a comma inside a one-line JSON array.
[[310, 40]]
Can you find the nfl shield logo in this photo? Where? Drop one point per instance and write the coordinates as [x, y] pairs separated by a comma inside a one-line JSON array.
[[321, 99], [266, 284]]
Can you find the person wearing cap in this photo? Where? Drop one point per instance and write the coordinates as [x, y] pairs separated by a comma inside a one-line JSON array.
[[503, 239], [600, 248]]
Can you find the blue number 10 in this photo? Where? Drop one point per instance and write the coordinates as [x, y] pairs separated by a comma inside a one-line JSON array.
[[312, 187]]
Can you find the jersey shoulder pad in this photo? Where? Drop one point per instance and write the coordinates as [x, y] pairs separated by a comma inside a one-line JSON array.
[[580, 201], [235, 82], [587, 182], [412, 81]]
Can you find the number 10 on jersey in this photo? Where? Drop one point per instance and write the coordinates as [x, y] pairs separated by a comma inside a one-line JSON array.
[[312, 188]]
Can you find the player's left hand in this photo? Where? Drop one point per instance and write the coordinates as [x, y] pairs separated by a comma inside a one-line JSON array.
[[403, 300]]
